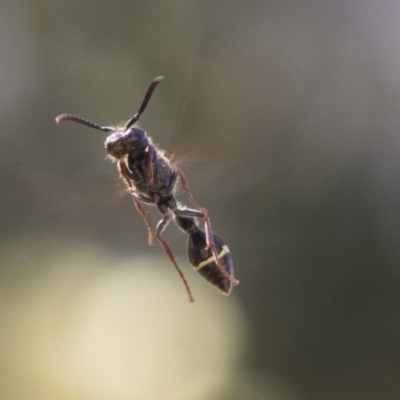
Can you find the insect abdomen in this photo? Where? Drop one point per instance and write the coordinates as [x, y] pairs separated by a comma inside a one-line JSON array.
[[204, 263]]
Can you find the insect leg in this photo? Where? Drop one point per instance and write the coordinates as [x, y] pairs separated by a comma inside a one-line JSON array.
[[159, 229], [207, 225], [188, 212], [142, 211]]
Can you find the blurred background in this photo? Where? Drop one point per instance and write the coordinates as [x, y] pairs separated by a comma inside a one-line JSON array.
[[285, 118]]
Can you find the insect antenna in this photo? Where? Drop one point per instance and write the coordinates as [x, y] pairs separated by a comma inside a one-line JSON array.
[[146, 99], [83, 121]]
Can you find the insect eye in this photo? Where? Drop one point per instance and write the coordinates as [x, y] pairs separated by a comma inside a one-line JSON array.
[[136, 140], [135, 135]]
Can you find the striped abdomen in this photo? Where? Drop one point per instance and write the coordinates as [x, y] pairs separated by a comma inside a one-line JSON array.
[[204, 263]]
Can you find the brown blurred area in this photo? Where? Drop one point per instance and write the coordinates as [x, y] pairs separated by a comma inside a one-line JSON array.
[[285, 117]]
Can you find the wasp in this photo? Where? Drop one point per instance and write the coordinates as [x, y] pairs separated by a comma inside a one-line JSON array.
[[152, 179]]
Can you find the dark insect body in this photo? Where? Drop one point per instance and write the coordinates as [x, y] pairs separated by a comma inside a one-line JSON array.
[[152, 179]]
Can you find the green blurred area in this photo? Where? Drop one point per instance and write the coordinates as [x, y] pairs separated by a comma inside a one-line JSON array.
[[284, 116]]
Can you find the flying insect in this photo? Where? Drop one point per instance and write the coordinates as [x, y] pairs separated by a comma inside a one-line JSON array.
[[152, 179]]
